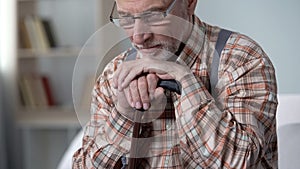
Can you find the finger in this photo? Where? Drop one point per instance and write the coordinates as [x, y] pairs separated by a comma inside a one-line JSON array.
[[143, 91], [116, 77], [128, 76], [158, 104], [123, 73], [122, 105], [152, 81], [119, 75], [128, 97], [135, 94], [159, 93]]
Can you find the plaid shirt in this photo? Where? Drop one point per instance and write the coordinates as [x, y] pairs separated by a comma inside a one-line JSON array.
[[237, 129]]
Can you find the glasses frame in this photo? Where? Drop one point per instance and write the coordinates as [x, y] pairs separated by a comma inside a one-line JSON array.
[[140, 15]]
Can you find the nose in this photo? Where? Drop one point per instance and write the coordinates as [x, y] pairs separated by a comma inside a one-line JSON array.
[[141, 32]]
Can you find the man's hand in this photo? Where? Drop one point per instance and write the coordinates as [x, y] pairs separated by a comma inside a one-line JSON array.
[[122, 105], [129, 71], [142, 93]]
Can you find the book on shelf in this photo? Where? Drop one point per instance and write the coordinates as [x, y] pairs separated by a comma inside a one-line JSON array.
[[24, 35], [35, 91], [36, 33], [41, 34], [47, 88], [49, 32]]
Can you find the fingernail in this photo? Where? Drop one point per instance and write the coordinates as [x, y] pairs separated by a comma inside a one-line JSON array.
[[146, 106], [138, 105], [132, 104]]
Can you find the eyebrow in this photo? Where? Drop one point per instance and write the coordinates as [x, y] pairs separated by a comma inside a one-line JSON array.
[[159, 9]]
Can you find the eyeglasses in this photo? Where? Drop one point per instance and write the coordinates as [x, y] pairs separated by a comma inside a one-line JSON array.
[[151, 18]]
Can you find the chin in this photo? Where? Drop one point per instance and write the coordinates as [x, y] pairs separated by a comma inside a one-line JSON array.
[[158, 54]]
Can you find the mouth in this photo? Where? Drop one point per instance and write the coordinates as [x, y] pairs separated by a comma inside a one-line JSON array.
[[151, 49]]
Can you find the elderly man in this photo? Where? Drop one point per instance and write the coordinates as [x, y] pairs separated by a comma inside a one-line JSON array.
[[217, 111]]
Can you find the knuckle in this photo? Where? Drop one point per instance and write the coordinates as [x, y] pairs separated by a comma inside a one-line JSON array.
[[142, 86], [134, 92], [142, 83], [133, 84], [152, 78]]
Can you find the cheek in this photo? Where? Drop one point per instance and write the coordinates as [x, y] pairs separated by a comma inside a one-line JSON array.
[[171, 33], [165, 40]]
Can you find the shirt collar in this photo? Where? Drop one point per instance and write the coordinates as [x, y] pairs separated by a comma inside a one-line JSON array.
[[194, 44]]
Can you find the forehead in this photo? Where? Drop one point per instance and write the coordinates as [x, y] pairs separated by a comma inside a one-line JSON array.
[[138, 6]]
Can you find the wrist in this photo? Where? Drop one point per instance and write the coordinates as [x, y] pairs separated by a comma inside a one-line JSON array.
[[127, 112], [181, 72]]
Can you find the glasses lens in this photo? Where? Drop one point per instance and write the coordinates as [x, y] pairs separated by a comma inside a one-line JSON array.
[[123, 22], [126, 22], [154, 18]]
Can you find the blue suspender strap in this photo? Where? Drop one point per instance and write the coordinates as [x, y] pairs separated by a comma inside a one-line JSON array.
[[131, 55], [221, 42]]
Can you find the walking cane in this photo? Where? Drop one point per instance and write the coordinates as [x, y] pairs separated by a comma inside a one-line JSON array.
[[171, 85]]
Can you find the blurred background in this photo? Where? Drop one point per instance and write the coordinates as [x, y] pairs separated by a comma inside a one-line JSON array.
[[41, 40]]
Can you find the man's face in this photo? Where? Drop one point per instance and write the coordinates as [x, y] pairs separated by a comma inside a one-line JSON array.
[[158, 41]]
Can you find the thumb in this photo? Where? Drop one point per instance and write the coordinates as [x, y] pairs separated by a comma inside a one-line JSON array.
[[158, 93], [159, 100]]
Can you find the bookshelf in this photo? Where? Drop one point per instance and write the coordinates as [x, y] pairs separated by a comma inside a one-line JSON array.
[[54, 118], [47, 130]]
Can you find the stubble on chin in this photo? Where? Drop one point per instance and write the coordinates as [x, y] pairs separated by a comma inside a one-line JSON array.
[[166, 51]]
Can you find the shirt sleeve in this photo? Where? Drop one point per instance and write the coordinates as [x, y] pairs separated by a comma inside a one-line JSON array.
[[237, 129], [104, 140]]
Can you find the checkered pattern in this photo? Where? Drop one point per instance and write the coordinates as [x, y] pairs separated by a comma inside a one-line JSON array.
[[235, 130]]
